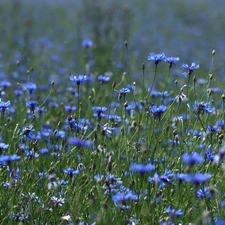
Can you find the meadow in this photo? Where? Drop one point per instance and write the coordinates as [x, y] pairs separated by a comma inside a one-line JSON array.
[[112, 112]]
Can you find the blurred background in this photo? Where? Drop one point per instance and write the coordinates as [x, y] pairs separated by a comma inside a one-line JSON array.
[[49, 33]]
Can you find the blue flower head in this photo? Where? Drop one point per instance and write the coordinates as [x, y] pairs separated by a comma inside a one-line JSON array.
[[193, 158], [172, 60], [103, 79], [79, 142], [158, 111], [190, 69], [156, 57], [140, 168], [78, 79], [87, 43], [4, 106], [174, 212]]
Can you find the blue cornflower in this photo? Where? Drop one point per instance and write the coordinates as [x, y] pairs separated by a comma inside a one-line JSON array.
[[158, 111], [156, 57], [87, 43], [69, 108], [3, 146], [124, 91], [213, 129], [31, 105], [99, 111], [109, 131], [141, 168], [79, 142], [181, 177], [78, 79], [121, 198], [174, 212], [203, 192], [71, 171], [198, 178], [31, 154], [193, 158], [103, 79], [158, 93], [200, 108], [30, 87], [9, 158], [172, 60], [209, 155], [5, 84], [190, 69], [4, 106]]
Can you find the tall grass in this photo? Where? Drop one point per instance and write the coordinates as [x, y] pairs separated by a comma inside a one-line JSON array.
[[92, 133]]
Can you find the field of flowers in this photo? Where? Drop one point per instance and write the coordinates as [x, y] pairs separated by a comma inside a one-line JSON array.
[[112, 112]]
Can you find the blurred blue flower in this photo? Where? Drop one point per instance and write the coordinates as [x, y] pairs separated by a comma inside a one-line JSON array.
[[87, 43], [193, 158], [78, 79], [103, 79], [156, 57], [30, 87], [121, 198], [158, 111], [213, 129], [3, 146], [71, 171], [198, 178], [172, 60], [141, 168], [79, 142], [200, 108], [4, 106], [203, 192], [9, 158], [174, 212], [69, 108], [31, 105], [124, 91], [190, 69]]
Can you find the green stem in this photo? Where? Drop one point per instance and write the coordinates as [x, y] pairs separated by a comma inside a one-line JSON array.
[[153, 80]]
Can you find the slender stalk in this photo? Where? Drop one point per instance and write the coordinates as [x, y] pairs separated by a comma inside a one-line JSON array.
[[156, 66]]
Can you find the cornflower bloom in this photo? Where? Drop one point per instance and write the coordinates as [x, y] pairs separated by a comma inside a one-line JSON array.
[[198, 178], [122, 198], [99, 110], [200, 108], [203, 192], [31, 105], [156, 57], [78, 79], [30, 87], [79, 142], [5, 84], [123, 92], [103, 79], [69, 108], [158, 111], [190, 69], [9, 158], [212, 129], [87, 43], [71, 171], [140, 168], [3, 146], [193, 158], [172, 60], [174, 212], [57, 201], [4, 106]]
